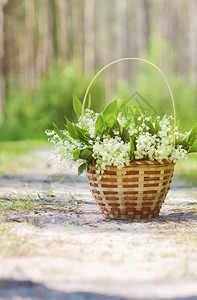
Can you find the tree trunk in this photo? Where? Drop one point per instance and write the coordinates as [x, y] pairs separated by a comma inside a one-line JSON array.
[[89, 35], [122, 36], [52, 23], [193, 41], [94, 32], [43, 52], [142, 25], [2, 78], [63, 29], [77, 30]]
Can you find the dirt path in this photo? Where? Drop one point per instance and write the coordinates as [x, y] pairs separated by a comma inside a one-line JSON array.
[[55, 244]]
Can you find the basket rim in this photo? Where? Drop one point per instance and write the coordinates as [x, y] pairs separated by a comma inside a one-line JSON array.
[[140, 162]]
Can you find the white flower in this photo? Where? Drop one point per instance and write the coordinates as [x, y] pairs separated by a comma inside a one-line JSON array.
[[87, 122], [49, 132], [116, 132], [122, 120], [112, 151]]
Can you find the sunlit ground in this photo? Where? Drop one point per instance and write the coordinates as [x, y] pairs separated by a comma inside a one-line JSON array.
[[51, 235]]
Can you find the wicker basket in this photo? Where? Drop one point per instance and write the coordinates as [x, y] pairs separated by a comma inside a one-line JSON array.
[[136, 191], [133, 192]]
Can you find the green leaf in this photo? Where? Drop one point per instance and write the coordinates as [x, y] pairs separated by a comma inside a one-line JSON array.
[[111, 108], [192, 135], [127, 123], [139, 111], [164, 118], [82, 168], [183, 143], [89, 101], [136, 115], [71, 130], [99, 125], [82, 135], [132, 109], [86, 154], [110, 119], [125, 135], [77, 105], [59, 133], [178, 123], [193, 149], [189, 138], [150, 125], [157, 126], [131, 151], [76, 154], [77, 133], [122, 107], [116, 125]]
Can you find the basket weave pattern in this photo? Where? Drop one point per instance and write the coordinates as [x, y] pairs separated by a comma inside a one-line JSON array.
[[136, 191]]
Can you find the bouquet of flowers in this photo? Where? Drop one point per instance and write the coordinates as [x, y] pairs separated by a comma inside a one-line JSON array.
[[120, 134]]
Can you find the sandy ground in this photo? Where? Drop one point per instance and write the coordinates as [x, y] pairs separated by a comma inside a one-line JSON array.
[[55, 244]]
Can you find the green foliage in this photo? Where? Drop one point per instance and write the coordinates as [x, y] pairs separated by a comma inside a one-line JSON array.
[[107, 118], [30, 111], [150, 86], [132, 149], [18, 148], [186, 170], [99, 125], [77, 106], [154, 97], [112, 108], [82, 168], [77, 133], [60, 133], [189, 139]]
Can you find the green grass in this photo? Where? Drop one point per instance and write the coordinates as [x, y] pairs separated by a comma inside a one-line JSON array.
[[19, 155], [186, 170], [17, 205], [19, 148]]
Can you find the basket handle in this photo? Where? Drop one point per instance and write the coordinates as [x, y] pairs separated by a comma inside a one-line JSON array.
[[130, 58]]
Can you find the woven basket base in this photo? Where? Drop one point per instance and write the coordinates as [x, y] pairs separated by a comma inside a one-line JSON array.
[[133, 192], [125, 215], [121, 214]]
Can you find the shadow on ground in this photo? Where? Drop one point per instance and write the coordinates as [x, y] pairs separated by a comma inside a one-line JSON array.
[[22, 289]]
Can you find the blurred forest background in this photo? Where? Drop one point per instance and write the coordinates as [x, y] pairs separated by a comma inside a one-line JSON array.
[[50, 49]]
